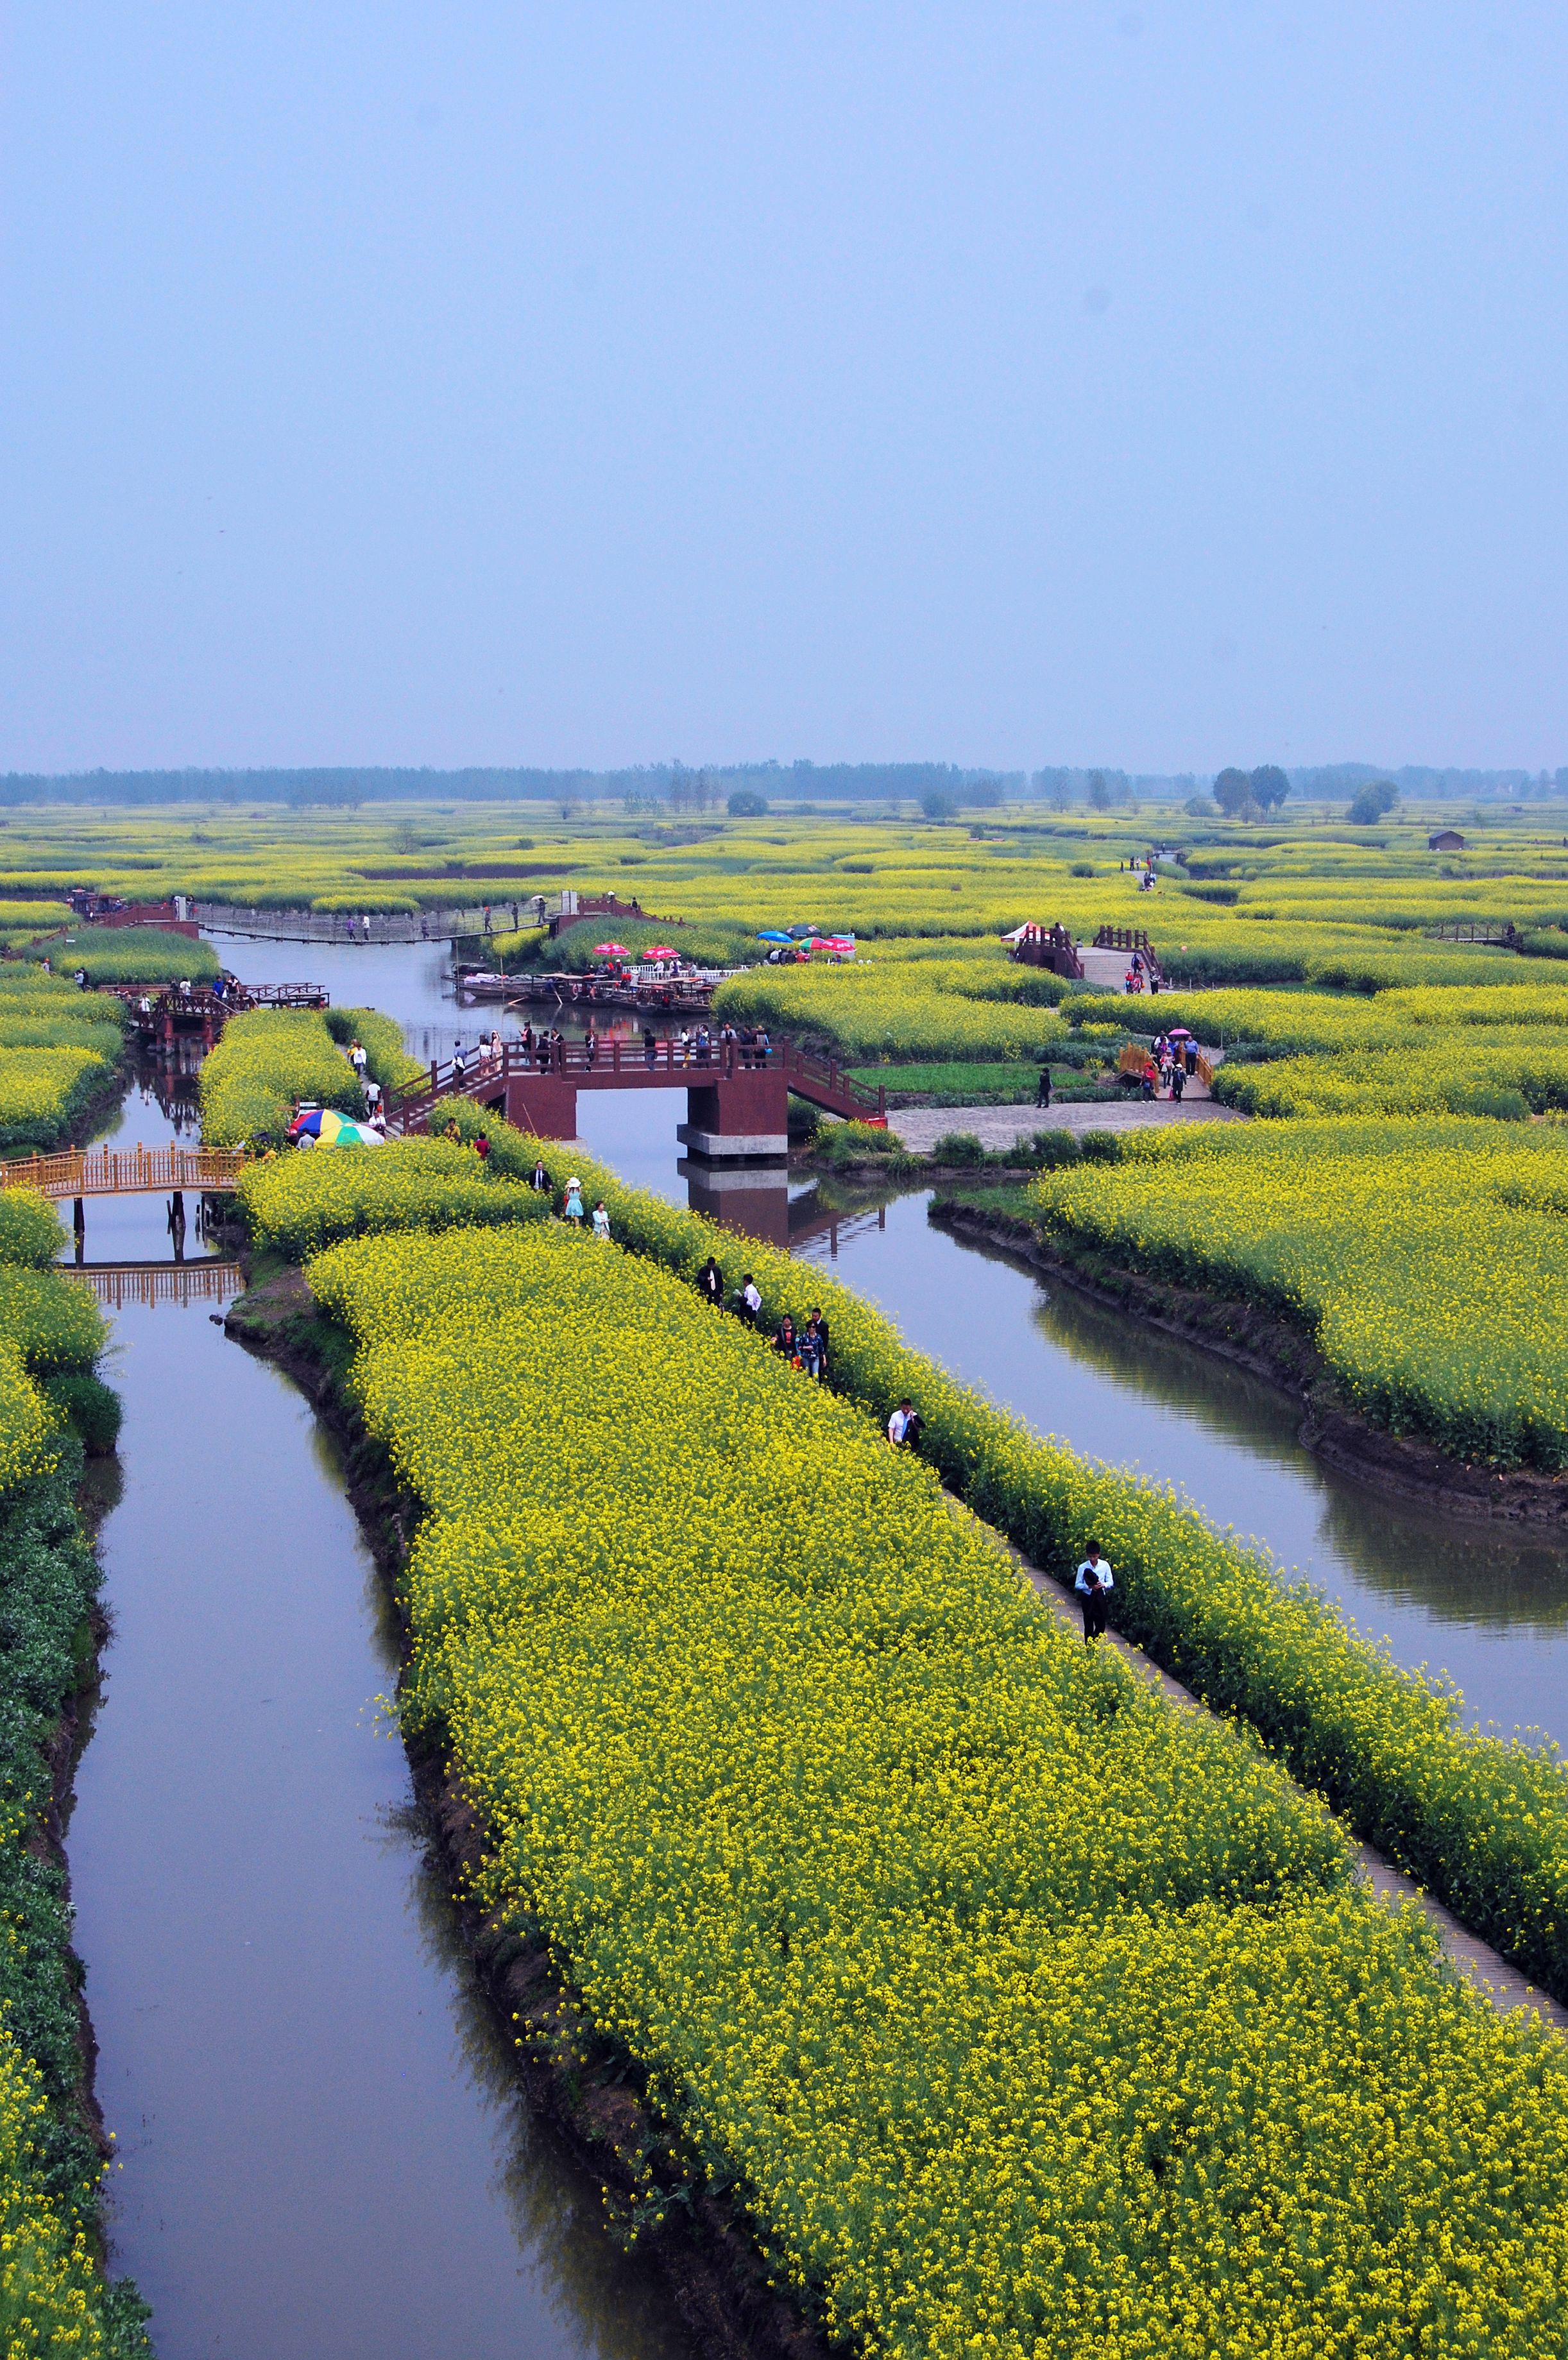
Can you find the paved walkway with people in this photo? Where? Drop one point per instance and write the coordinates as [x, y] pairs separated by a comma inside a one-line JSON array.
[[1503, 1985], [996, 1126]]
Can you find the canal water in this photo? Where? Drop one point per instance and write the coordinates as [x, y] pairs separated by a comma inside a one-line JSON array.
[[321, 2144]]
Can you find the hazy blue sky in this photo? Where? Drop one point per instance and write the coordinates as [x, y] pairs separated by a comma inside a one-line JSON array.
[[1148, 385]]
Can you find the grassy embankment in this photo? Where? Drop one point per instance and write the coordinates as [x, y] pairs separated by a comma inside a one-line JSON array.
[[53, 2297]]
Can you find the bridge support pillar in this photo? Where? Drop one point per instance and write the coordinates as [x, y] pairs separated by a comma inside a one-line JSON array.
[[741, 1114], [545, 1104]]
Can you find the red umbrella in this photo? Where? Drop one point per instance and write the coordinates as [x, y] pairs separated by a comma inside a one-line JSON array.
[[610, 950], [662, 950]]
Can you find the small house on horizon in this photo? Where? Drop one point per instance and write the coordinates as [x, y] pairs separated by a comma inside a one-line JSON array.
[[1445, 839]]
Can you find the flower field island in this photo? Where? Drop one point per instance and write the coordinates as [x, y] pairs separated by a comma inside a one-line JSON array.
[[1019, 2011], [1426, 1258], [60, 1051]]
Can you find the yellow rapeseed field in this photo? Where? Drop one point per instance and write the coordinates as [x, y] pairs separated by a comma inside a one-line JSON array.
[[1024, 2014]]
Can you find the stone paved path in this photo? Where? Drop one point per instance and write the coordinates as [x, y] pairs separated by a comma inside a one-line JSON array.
[[1504, 1985], [920, 1128]]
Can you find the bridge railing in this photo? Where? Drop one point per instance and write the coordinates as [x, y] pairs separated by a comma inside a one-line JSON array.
[[384, 926], [600, 1063], [116, 1172], [204, 999]]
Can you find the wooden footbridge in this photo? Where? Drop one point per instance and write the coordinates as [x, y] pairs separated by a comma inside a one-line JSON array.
[[127, 1172], [165, 1015], [738, 1092]]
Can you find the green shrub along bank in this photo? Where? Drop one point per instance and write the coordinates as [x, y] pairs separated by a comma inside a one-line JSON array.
[[49, 2171], [1482, 1821]]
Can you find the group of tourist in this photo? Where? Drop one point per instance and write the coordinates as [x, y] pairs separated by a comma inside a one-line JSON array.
[[572, 1211], [1143, 974], [803, 1347], [1170, 1064]]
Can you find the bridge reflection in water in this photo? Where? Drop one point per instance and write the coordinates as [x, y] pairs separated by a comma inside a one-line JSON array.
[[117, 1284]]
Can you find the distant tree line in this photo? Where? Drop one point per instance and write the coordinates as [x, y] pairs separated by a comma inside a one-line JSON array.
[[647, 786], [939, 788]]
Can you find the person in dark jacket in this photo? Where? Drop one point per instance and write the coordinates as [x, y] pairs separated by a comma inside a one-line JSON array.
[[814, 1345], [711, 1283]]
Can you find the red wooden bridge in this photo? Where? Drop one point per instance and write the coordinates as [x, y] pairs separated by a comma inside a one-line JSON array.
[[164, 1013], [737, 1093]]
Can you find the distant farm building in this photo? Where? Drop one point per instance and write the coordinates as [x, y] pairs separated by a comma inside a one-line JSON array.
[[1445, 839]]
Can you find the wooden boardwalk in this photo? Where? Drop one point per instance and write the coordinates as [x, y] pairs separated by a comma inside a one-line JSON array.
[[127, 1172]]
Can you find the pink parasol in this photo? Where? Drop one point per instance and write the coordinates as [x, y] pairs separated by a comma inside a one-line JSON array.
[[610, 950], [662, 950]]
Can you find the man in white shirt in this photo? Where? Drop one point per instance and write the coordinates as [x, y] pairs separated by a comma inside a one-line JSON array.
[[897, 1423], [750, 1300], [1094, 1585]]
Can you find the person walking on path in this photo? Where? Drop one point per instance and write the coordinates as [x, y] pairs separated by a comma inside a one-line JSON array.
[[1178, 1080], [814, 1345], [787, 1344], [1042, 1087], [1094, 1584], [750, 1303], [601, 1224], [906, 1425], [711, 1283], [649, 1047], [540, 1181], [572, 1208]]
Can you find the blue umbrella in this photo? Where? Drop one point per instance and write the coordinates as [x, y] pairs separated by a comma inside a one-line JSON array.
[[773, 935]]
